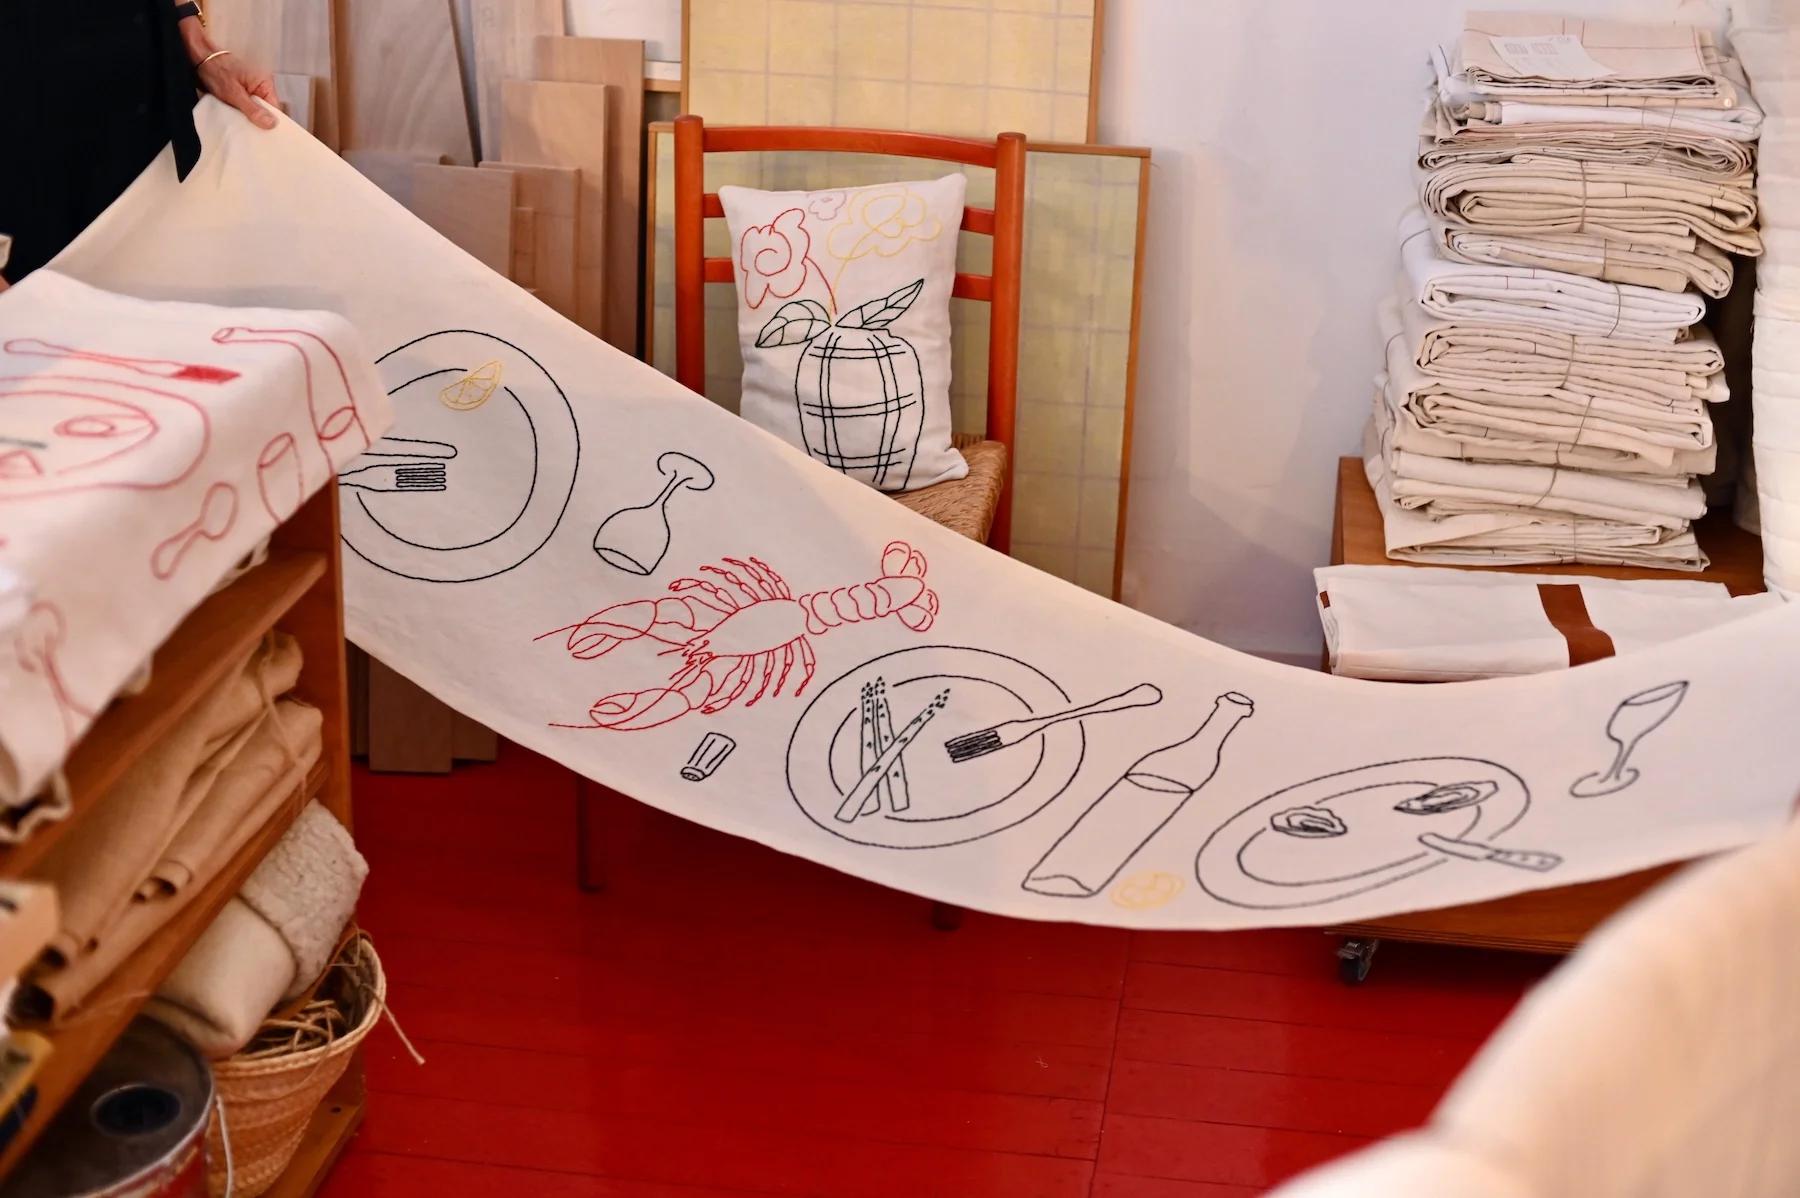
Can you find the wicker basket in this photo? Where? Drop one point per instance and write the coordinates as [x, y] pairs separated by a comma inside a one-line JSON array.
[[268, 1092]]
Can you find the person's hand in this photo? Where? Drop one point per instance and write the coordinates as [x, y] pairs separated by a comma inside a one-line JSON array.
[[240, 84], [230, 78]]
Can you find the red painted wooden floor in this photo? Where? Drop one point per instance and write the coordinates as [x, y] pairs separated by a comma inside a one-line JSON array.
[[727, 1020]]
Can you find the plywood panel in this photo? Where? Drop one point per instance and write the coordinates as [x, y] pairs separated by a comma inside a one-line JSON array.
[[972, 67], [390, 170], [564, 124], [400, 80], [553, 194], [473, 208], [293, 37], [503, 30], [618, 66]]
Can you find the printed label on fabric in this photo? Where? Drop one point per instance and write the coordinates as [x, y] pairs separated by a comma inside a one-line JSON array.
[[1552, 56]]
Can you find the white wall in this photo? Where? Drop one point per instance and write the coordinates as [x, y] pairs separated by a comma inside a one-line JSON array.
[[1282, 133]]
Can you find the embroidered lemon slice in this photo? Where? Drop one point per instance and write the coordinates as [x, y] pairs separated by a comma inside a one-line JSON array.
[[472, 389]]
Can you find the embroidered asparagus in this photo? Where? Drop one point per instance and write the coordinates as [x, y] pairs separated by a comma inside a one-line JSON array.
[[864, 789], [1085, 859]]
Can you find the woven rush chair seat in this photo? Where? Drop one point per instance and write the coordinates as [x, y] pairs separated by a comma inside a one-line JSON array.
[[965, 505]]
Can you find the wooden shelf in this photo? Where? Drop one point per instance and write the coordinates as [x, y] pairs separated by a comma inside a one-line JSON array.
[[75, 1049], [195, 659]]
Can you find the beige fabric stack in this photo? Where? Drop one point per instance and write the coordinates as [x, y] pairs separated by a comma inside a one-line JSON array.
[[171, 823], [1546, 392]]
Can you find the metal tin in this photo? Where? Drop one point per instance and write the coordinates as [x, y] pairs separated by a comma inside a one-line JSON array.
[[136, 1128]]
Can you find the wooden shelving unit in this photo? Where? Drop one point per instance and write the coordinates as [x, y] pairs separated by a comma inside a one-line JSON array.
[[298, 589]]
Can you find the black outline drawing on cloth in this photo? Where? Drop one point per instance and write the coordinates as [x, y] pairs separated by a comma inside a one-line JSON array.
[[875, 442], [707, 756], [640, 535], [971, 745], [1636, 717], [1115, 827], [946, 803], [876, 735], [862, 798], [1357, 830], [410, 467]]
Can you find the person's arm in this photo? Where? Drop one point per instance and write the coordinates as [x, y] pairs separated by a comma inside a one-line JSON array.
[[225, 75]]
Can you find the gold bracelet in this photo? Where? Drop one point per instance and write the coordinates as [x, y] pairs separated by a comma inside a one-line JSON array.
[[209, 58]]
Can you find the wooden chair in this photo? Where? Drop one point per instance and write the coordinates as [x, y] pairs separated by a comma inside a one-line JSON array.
[[979, 506]]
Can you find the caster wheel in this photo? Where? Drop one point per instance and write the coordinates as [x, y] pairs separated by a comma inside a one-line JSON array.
[[1355, 959]]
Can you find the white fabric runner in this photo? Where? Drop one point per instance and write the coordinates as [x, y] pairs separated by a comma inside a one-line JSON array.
[[888, 718], [144, 449]]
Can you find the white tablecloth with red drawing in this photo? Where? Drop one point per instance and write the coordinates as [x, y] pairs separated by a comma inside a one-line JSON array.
[[606, 568], [145, 448]]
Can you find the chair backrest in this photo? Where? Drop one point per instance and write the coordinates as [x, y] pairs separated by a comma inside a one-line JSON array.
[[1004, 222]]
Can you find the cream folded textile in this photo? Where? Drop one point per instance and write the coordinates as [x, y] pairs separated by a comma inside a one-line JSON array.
[[1625, 62], [1516, 536], [1447, 141], [1448, 487], [1537, 194], [1673, 268], [1489, 292], [1409, 434], [1498, 412], [269, 943], [1407, 623]]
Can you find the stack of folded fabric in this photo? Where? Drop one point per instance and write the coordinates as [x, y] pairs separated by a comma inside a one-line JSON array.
[[171, 823], [1546, 390]]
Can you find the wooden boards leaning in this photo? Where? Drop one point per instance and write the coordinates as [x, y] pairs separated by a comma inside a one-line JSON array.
[[290, 37], [502, 33], [617, 65], [400, 80], [473, 208], [391, 170], [564, 124], [552, 194]]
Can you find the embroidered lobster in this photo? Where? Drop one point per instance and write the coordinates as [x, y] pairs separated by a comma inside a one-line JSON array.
[[754, 631]]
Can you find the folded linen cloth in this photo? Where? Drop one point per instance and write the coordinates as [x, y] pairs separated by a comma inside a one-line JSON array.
[[98, 868], [1514, 536], [1497, 413], [262, 778], [1665, 267], [1410, 435], [1482, 292], [1447, 141], [1435, 625], [271, 942], [1625, 370], [1538, 194], [1444, 486], [1478, 108], [1516, 53]]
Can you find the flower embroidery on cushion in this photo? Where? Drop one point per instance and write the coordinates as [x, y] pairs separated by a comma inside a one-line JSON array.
[[884, 221], [776, 258], [826, 204]]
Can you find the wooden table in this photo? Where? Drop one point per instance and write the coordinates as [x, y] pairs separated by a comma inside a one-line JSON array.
[[1541, 921]]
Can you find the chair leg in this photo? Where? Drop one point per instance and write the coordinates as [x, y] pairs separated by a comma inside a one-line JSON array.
[[590, 844], [946, 918]]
